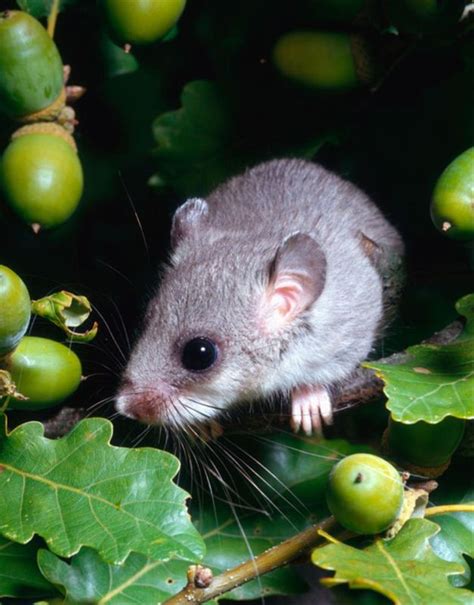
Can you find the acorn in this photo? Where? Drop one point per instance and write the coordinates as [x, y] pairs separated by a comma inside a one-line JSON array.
[[31, 70], [44, 371], [365, 493], [41, 175], [424, 445], [452, 204], [141, 21], [330, 61], [15, 309]]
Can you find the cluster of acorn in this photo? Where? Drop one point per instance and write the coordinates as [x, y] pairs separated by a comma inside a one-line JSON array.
[[41, 176], [35, 373], [40, 173]]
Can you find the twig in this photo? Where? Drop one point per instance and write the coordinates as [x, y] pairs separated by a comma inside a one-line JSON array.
[[277, 556], [53, 17], [449, 508]]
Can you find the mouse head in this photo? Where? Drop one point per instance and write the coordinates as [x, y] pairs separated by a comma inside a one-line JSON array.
[[221, 321]]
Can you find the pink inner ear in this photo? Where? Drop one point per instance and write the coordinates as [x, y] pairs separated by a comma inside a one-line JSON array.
[[284, 300]]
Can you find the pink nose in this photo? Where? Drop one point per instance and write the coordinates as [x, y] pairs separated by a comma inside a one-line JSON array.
[[147, 405]]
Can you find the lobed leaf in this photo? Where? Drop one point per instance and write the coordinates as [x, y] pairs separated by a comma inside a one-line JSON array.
[[82, 491], [404, 569], [437, 380], [456, 538], [194, 144], [89, 579]]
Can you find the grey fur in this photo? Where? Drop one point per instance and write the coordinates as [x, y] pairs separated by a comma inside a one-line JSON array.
[[219, 270]]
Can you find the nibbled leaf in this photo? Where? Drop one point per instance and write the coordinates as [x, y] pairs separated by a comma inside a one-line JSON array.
[[66, 310], [194, 144], [437, 380], [404, 569], [42, 8], [81, 491], [19, 573]]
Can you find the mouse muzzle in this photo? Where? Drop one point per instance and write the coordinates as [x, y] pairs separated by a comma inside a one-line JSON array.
[[149, 404]]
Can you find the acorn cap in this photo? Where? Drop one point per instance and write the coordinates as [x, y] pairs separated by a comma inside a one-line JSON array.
[[46, 128], [47, 114]]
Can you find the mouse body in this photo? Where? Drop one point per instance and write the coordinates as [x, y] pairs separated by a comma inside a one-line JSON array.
[[271, 290]]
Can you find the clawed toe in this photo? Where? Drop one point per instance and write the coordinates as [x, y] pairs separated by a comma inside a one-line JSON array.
[[310, 408]]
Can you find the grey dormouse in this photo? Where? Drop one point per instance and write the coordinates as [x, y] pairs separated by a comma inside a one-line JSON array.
[[270, 290]]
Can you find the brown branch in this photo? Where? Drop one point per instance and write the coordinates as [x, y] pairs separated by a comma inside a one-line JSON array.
[[271, 559]]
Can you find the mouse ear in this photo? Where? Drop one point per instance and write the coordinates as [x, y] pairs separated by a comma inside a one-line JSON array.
[[187, 218], [297, 278]]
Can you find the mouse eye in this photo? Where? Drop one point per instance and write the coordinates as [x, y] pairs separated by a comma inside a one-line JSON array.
[[199, 354]]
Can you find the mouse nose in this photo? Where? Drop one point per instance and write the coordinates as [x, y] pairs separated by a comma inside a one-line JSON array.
[[143, 403]]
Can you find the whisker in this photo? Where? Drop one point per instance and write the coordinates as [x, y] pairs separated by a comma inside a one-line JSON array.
[[134, 210]]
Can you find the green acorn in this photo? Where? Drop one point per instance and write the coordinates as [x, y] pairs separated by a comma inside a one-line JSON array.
[[44, 371], [425, 445], [141, 21], [331, 61], [365, 493], [41, 175], [15, 309], [452, 205], [31, 70]]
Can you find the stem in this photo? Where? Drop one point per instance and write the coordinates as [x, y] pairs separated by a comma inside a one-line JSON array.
[[277, 556], [53, 17], [449, 508]]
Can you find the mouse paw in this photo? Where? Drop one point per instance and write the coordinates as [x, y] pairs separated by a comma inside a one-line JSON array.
[[310, 408]]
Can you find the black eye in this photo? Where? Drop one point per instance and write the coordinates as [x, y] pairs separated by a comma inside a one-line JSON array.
[[199, 354]]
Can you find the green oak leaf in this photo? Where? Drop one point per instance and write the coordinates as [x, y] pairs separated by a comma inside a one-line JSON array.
[[89, 579], [194, 144], [19, 573], [298, 466], [437, 380], [41, 8], [456, 536], [404, 569], [81, 491]]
